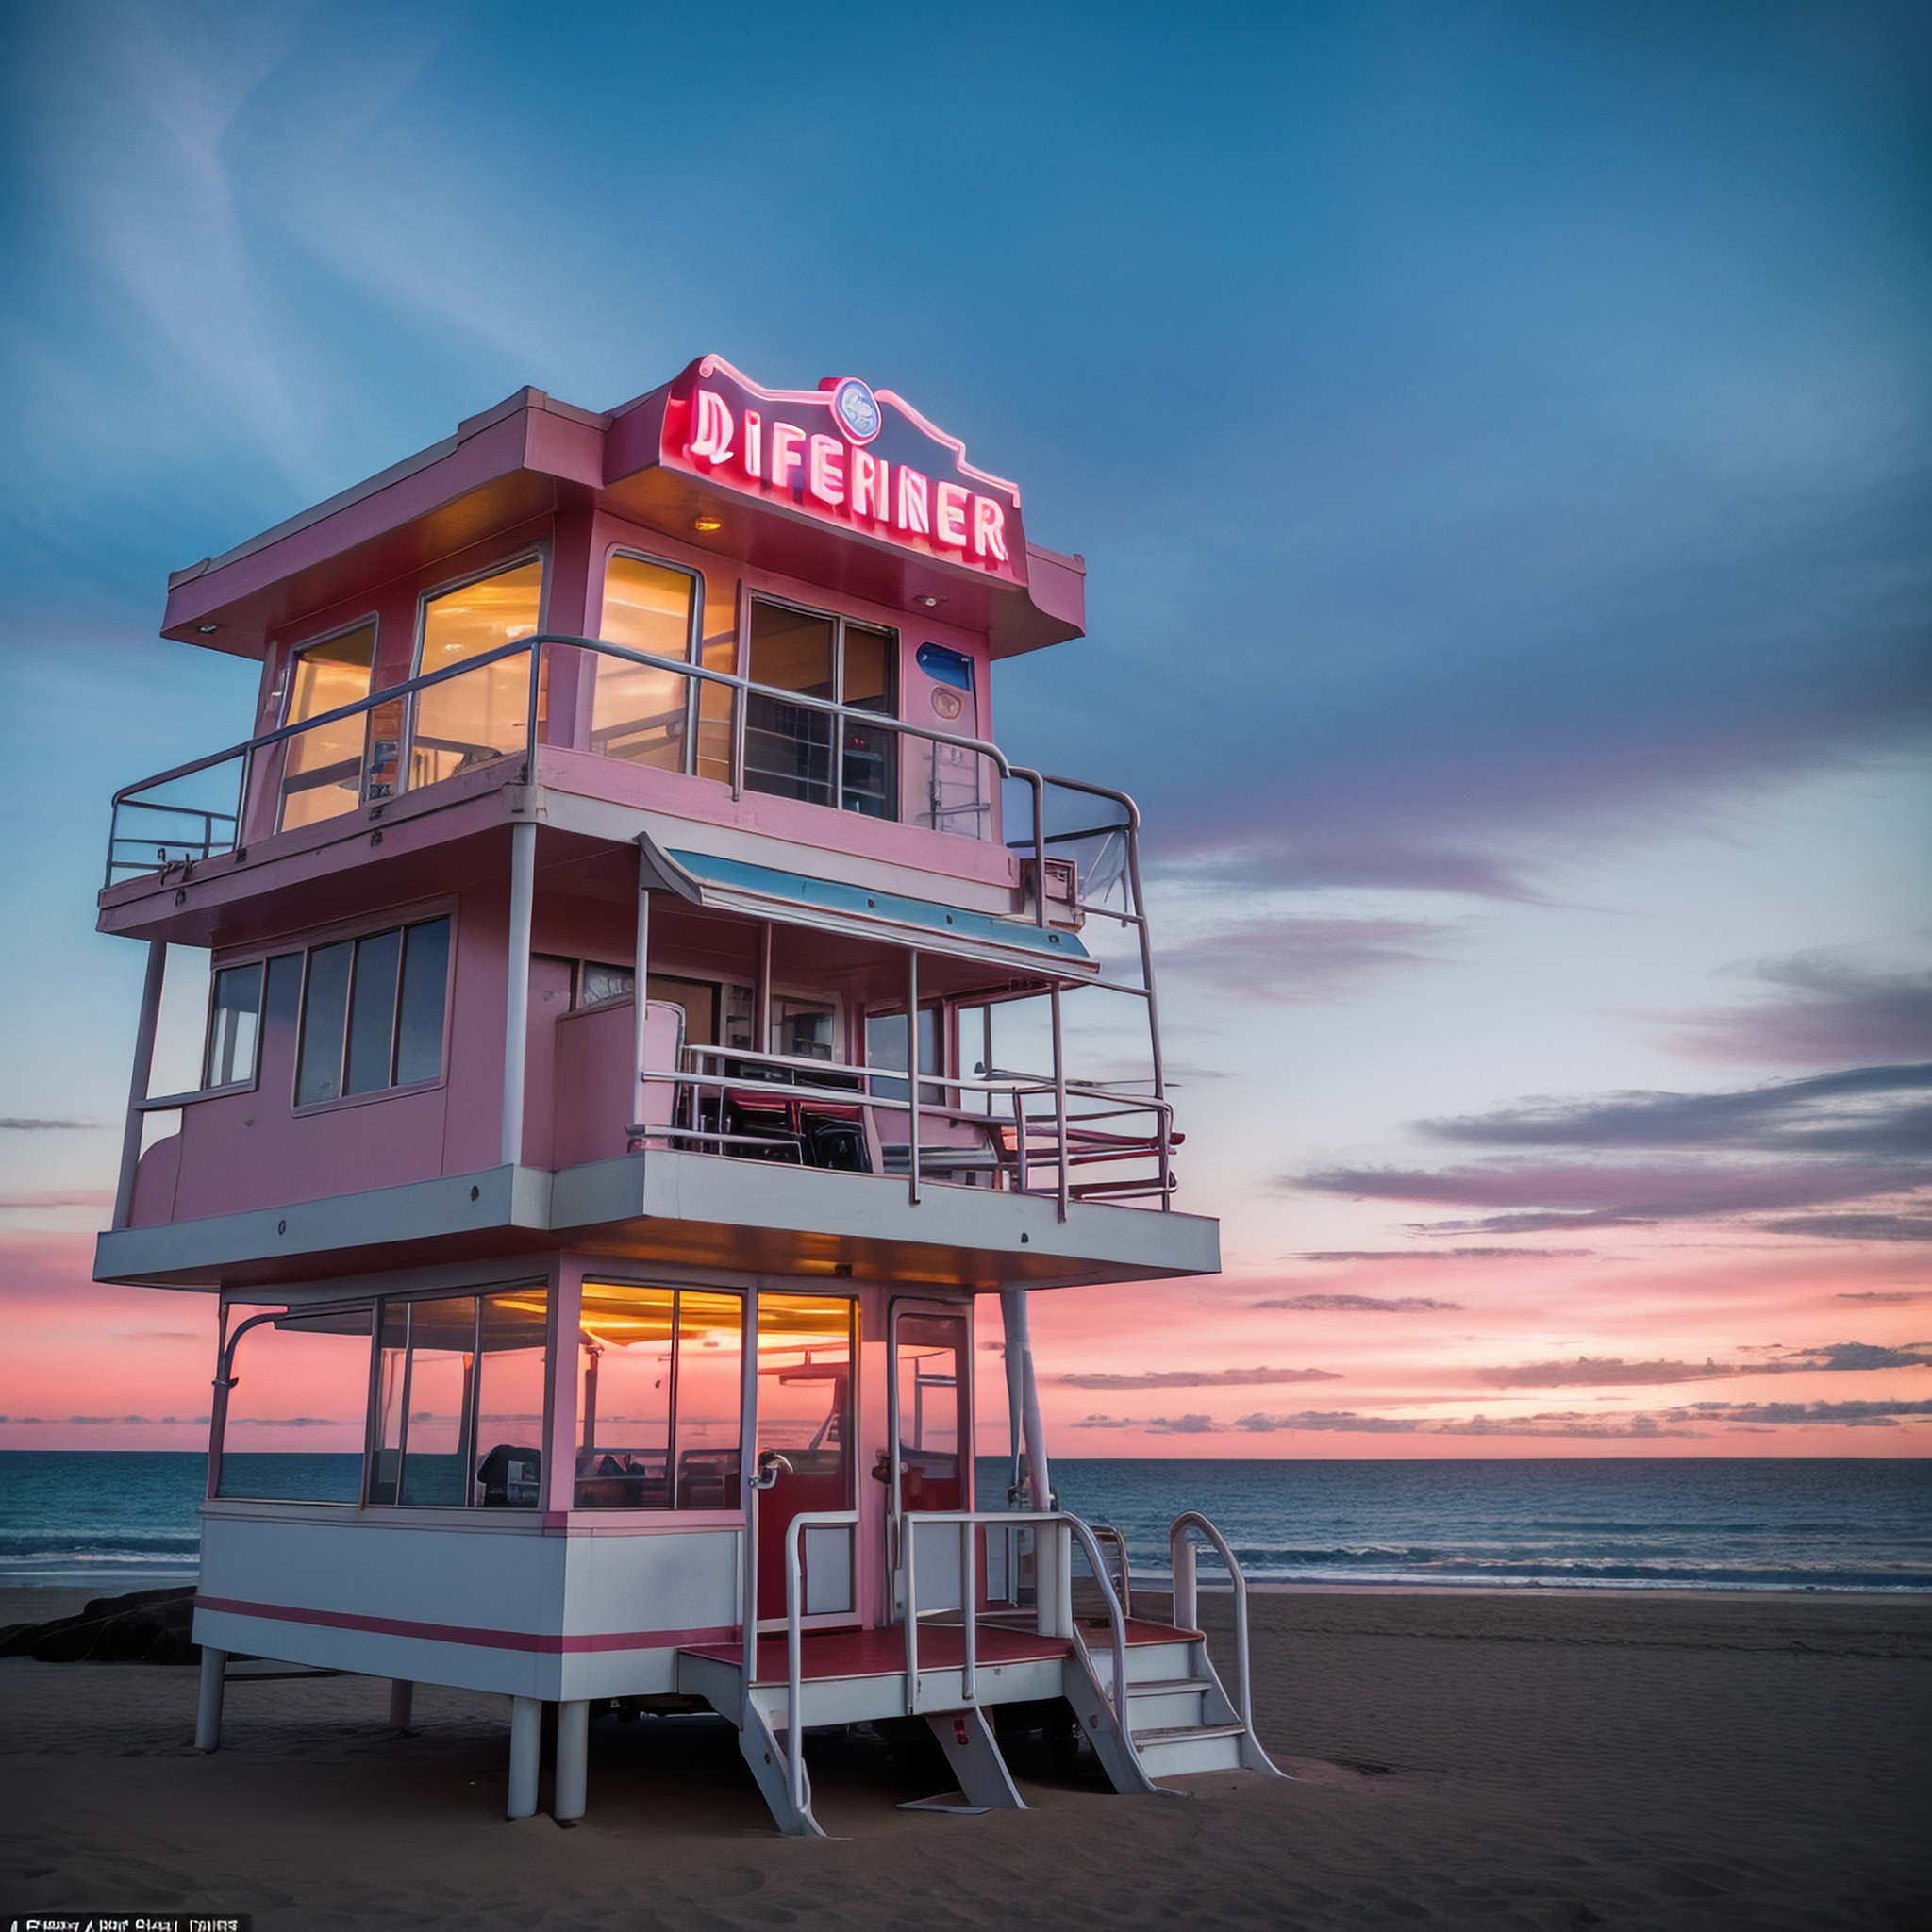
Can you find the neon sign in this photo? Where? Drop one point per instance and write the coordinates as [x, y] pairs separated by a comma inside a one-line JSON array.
[[844, 454]]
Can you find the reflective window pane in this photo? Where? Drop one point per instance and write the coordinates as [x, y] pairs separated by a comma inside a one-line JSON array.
[[325, 1018], [419, 1021], [788, 747], [321, 769], [639, 713], [234, 1027], [435, 1402], [372, 1012], [485, 713], [296, 1413], [509, 1400]]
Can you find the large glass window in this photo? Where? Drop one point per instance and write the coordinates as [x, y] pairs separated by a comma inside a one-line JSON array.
[[234, 1030], [485, 713], [295, 1409], [640, 714], [321, 769], [658, 1398], [789, 748], [460, 1402], [372, 1012]]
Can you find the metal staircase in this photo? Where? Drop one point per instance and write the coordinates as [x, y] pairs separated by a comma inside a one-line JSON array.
[[948, 1662]]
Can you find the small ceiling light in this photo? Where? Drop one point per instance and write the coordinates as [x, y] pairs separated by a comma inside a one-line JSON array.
[[708, 521], [930, 603], [208, 630]]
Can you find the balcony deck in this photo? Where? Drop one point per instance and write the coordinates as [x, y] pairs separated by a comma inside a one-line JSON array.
[[692, 1210]]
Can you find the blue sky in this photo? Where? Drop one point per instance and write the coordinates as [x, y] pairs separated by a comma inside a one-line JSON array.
[[1498, 437]]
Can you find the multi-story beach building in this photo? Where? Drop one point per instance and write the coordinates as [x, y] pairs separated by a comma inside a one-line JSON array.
[[641, 1004]]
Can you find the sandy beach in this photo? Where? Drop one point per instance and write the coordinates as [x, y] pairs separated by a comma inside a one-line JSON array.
[[1504, 1759]]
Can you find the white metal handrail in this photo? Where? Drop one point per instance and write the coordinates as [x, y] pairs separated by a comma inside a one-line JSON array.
[[969, 1522], [1061, 1139], [1186, 1601]]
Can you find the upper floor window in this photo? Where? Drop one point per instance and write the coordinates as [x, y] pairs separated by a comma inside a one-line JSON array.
[[372, 1012], [639, 713], [789, 748], [483, 714], [321, 769], [234, 1027]]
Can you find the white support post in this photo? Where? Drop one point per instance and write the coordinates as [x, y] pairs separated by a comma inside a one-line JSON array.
[[641, 990], [525, 1754], [516, 1026], [912, 1075], [207, 1709], [137, 1080], [762, 994], [402, 1702], [573, 1760]]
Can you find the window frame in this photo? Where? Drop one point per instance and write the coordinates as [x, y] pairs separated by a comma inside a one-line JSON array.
[[750, 597], [332, 936], [285, 698], [694, 639]]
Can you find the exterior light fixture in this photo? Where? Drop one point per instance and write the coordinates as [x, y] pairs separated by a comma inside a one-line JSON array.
[[930, 603], [708, 521], [208, 630]]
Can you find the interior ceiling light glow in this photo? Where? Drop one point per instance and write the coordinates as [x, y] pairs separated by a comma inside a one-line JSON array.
[[708, 521]]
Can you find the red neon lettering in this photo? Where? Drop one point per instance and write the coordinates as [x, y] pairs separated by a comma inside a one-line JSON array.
[[870, 475], [912, 517], [824, 474], [949, 514], [713, 439], [753, 443], [989, 528], [787, 440]]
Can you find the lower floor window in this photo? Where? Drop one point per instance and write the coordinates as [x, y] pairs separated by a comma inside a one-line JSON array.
[[426, 1402]]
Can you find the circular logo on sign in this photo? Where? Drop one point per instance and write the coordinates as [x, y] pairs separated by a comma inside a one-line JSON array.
[[857, 410], [948, 703]]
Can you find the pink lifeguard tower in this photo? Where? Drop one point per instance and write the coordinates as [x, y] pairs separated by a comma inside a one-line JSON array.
[[634, 1046]]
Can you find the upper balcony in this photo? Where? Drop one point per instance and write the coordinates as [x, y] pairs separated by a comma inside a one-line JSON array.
[[904, 859]]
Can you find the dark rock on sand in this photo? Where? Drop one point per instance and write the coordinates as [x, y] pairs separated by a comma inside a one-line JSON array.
[[145, 1626]]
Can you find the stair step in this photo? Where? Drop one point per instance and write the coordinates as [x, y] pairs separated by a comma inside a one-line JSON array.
[[1177, 1734], [1168, 1686]]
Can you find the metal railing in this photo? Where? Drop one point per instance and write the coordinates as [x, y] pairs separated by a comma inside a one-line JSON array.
[[538, 651], [1067, 1529], [1014, 1143], [1187, 1600], [392, 739]]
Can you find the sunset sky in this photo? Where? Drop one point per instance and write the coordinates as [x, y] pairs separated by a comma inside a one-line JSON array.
[[1498, 437]]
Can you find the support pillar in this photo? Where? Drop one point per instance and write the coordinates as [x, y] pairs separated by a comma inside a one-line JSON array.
[[526, 1754], [207, 1709], [401, 1699], [573, 1760], [516, 1027], [137, 1080]]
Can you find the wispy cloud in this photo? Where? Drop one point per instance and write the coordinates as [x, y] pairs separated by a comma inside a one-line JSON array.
[[1690, 1421], [1848, 1136], [1611, 1371], [1855, 1227], [1198, 1378], [59, 1197], [23, 1126], [1442, 1253], [1361, 1304], [1829, 1012], [1296, 960]]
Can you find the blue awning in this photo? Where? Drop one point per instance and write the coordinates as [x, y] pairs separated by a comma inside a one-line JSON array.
[[796, 898]]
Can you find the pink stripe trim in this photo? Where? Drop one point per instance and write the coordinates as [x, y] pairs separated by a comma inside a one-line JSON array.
[[545, 1644]]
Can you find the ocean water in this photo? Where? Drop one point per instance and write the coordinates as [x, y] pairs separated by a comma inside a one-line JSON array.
[[96, 1518]]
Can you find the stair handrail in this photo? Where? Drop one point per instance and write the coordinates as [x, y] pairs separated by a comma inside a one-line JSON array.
[[1107, 1533], [1186, 1601], [991, 1519]]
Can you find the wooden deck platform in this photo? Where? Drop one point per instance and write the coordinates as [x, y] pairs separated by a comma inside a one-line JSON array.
[[831, 1653]]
